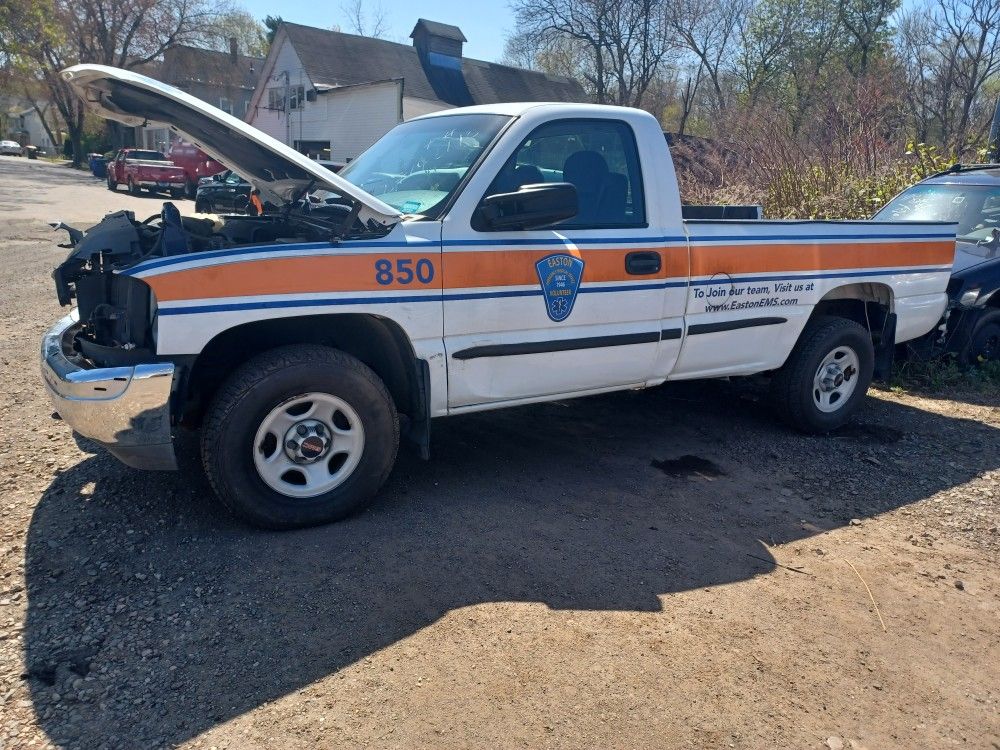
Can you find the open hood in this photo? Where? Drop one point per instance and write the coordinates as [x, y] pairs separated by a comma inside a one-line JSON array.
[[278, 171]]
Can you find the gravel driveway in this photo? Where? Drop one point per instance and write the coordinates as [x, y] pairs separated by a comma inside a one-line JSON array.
[[667, 568]]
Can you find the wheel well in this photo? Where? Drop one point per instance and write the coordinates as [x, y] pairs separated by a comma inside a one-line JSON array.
[[378, 342], [867, 304]]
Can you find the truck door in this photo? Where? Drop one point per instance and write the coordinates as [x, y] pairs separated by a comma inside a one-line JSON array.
[[572, 309]]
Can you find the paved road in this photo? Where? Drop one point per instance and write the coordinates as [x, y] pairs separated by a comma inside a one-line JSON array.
[[651, 569], [40, 190]]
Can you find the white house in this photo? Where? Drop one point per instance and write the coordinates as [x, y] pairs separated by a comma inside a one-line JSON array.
[[331, 95], [22, 123]]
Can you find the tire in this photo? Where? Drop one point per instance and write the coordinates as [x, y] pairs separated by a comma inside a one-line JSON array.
[[191, 189], [133, 189], [202, 206], [257, 415], [799, 390], [984, 341], [112, 185]]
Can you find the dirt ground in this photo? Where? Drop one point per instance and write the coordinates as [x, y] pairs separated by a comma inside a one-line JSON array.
[[659, 569]]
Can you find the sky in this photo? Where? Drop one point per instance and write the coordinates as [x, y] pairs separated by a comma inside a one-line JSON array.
[[485, 24]]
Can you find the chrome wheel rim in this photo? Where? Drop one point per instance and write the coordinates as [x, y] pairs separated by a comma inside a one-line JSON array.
[[308, 445], [836, 379]]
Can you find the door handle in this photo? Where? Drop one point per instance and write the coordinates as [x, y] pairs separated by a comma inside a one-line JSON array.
[[643, 263]]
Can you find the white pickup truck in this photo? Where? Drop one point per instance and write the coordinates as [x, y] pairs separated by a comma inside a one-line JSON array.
[[472, 259]]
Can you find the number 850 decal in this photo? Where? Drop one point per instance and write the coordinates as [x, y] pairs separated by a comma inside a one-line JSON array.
[[404, 271]]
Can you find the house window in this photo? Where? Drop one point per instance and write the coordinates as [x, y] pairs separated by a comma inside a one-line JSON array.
[[314, 149], [276, 97], [225, 105]]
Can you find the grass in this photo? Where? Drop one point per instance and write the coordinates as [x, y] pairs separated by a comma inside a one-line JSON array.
[[940, 375]]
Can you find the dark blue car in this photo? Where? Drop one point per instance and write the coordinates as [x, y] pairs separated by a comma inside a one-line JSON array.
[[970, 196]]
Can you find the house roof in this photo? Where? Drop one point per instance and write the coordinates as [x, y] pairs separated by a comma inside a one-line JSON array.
[[438, 29], [332, 58], [183, 65]]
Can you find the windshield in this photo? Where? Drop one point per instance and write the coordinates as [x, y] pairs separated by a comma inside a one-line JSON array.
[[976, 208], [416, 166]]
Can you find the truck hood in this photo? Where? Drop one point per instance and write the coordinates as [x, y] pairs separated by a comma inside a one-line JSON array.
[[278, 171]]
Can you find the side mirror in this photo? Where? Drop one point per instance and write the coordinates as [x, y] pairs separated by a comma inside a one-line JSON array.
[[530, 207]]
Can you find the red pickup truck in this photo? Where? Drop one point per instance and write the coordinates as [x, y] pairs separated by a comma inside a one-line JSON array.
[[195, 163], [140, 169]]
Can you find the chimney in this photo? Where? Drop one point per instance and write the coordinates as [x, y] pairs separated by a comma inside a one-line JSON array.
[[234, 56], [438, 44]]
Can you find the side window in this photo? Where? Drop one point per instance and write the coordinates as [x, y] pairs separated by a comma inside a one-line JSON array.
[[598, 157]]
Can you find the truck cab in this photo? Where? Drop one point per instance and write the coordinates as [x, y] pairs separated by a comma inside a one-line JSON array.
[[473, 259]]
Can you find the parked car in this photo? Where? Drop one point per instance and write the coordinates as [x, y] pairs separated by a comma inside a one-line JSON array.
[[144, 169], [195, 163], [11, 148], [225, 192], [478, 258], [968, 195]]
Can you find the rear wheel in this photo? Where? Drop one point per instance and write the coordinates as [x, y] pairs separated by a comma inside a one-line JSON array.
[[984, 343], [826, 375], [299, 436]]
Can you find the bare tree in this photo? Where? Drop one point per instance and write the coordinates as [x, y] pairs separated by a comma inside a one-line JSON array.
[[707, 29], [370, 21], [951, 51], [621, 43], [45, 36]]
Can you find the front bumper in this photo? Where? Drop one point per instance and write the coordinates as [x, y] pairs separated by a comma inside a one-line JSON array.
[[125, 409]]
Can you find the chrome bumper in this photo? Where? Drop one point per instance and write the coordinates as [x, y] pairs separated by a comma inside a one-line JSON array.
[[125, 409]]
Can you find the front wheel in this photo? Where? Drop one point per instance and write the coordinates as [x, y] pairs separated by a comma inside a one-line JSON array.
[[299, 436], [112, 185], [984, 342], [826, 376]]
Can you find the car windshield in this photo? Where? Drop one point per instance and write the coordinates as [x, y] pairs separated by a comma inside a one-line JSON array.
[[417, 166], [975, 208], [233, 179], [147, 155]]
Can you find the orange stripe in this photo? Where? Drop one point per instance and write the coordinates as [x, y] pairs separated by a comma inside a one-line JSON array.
[[711, 259], [464, 270], [331, 273], [500, 268]]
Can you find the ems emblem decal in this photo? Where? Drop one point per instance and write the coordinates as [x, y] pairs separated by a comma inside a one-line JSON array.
[[560, 276]]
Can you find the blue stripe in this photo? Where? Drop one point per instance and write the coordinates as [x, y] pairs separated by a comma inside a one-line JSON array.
[[556, 241], [805, 237], [808, 277], [257, 249], [458, 296]]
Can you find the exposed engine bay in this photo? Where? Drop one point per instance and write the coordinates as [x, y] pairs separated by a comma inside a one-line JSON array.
[[117, 311]]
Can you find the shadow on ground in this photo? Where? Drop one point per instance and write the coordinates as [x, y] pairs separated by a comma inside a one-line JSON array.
[[154, 616]]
